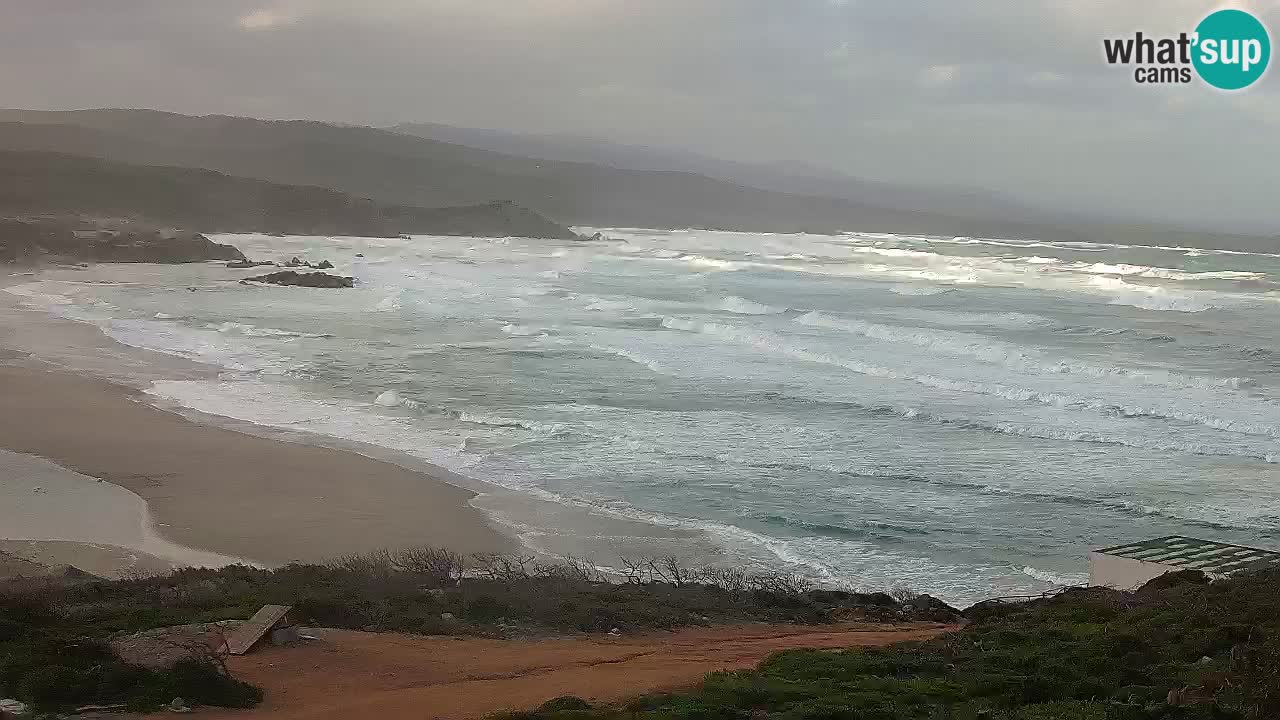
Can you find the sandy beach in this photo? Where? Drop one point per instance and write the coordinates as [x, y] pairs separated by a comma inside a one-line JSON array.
[[95, 475]]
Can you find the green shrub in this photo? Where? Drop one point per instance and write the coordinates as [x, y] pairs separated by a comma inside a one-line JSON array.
[[1086, 654], [564, 702]]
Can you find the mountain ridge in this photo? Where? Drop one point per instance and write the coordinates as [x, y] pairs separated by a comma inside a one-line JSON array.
[[398, 169], [38, 183]]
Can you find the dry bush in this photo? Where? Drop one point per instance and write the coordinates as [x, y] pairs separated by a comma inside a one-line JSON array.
[[729, 579], [904, 595], [438, 567], [637, 571], [503, 567], [373, 564], [668, 569], [780, 583], [570, 569]]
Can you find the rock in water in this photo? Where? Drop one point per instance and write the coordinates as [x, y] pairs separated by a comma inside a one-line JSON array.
[[390, 398], [312, 280]]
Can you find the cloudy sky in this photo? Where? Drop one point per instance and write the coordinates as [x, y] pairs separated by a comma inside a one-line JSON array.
[[1009, 95]]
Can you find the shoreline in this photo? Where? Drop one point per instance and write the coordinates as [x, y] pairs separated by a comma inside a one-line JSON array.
[[74, 417], [35, 336], [268, 501]]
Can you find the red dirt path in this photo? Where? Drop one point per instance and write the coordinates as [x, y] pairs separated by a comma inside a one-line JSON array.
[[347, 674]]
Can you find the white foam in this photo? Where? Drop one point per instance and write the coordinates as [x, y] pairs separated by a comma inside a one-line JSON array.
[[36, 295], [250, 330], [388, 303], [1243, 416], [920, 290], [710, 263], [1155, 297], [388, 398], [516, 330], [1057, 579], [1022, 359], [605, 305], [742, 306]]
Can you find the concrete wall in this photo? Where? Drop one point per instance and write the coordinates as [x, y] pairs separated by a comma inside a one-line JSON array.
[[1123, 573]]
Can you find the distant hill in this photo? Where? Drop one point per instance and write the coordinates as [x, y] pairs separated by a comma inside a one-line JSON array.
[[792, 178], [393, 168], [43, 183], [396, 168]]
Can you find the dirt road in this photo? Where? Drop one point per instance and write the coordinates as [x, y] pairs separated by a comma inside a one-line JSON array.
[[348, 674]]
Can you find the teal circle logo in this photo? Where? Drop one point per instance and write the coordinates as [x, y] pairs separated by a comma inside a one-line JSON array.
[[1232, 49]]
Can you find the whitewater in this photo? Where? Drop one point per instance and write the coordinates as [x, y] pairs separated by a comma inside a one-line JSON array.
[[961, 416]]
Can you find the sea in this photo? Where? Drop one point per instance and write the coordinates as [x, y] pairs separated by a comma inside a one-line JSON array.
[[966, 417]]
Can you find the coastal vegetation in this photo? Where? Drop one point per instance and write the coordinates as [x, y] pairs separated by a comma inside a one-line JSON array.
[[1180, 648], [55, 650]]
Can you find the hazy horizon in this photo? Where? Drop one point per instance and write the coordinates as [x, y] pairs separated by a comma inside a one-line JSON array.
[[1010, 97]]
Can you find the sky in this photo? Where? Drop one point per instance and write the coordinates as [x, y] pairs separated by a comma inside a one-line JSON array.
[[1012, 96]]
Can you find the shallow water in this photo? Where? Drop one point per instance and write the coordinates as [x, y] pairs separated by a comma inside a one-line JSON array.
[[966, 417]]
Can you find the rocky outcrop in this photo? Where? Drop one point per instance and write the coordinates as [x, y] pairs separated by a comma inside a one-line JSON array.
[[494, 219], [312, 280], [296, 261], [74, 240]]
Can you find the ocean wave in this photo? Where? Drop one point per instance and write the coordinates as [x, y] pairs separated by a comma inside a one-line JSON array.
[[547, 429], [1156, 297], [1114, 504], [1024, 360], [863, 529], [638, 358], [710, 263], [249, 330], [516, 330], [606, 305], [1003, 320], [1115, 332], [742, 306], [1156, 272], [1060, 399], [389, 303], [1036, 272], [37, 295], [918, 290], [1058, 579]]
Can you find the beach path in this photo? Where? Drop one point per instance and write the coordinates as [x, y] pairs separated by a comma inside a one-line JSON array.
[[347, 674]]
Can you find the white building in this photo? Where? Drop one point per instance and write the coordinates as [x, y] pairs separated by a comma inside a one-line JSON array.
[[1126, 567]]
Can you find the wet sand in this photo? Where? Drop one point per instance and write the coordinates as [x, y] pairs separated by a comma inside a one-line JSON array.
[[53, 516], [98, 478], [269, 501]]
